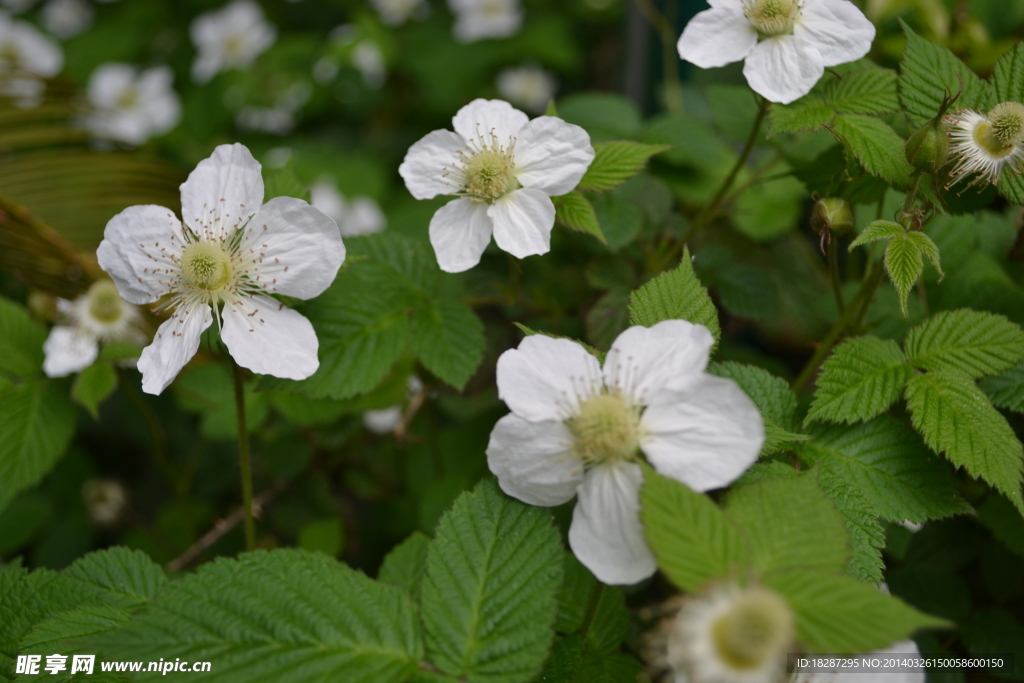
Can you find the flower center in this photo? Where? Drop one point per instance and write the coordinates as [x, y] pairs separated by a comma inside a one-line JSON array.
[[605, 429], [772, 17], [1002, 131], [757, 626], [489, 174], [206, 265], [234, 44], [105, 304], [128, 99]]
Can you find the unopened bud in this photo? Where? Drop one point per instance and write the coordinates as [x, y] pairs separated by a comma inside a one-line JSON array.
[[833, 214], [928, 148]]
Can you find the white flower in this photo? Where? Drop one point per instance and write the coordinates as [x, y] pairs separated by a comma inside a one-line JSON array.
[[504, 168], [397, 12], [26, 51], [476, 19], [985, 145], [105, 500], [385, 420], [229, 38], [905, 649], [732, 635], [575, 429], [229, 254], [786, 43], [67, 18], [97, 317], [368, 59], [132, 106], [529, 86], [357, 216]]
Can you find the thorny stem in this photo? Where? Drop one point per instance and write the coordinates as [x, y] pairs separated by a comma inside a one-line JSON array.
[[670, 60], [244, 459]]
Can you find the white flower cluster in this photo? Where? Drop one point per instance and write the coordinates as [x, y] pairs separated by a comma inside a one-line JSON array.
[[131, 105], [229, 38]]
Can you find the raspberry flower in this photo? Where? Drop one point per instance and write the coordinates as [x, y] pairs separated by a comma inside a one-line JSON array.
[[578, 429], [786, 43], [478, 19], [100, 316], [984, 145], [132, 106], [26, 55], [504, 169], [397, 12], [229, 38], [528, 86], [223, 262]]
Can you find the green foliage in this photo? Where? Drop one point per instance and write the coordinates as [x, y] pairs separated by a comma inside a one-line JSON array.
[[209, 390], [405, 564], [488, 596], [863, 91], [866, 535], [773, 398], [1007, 389], [975, 343], [861, 379], [21, 341], [875, 145], [1008, 76], [93, 385], [615, 163], [674, 294], [878, 230], [572, 661], [904, 265], [449, 340], [575, 211], [591, 610]]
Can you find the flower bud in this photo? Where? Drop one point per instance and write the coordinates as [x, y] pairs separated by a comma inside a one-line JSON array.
[[105, 500], [928, 148], [833, 214]]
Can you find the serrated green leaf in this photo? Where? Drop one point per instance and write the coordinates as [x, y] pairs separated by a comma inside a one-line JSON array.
[[21, 341], [572, 661], [1011, 186], [928, 73], [865, 91], [904, 265], [674, 294], [117, 576], [809, 113], [878, 230], [1006, 390], [955, 418], [488, 597], [972, 342], [773, 398], [692, 539], [575, 211], [861, 379], [93, 385], [615, 163], [1008, 76], [837, 614], [405, 564], [867, 538], [283, 615], [61, 632], [790, 524], [875, 145], [449, 339], [582, 594], [889, 466], [928, 248], [37, 420]]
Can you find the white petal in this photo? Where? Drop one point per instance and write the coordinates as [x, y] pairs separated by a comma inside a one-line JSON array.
[[108, 82], [552, 155], [904, 649], [206, 67], [459, 232], [136, 252], [487, 120], [644, 361], [717, 37], [269, 338], [425, 163], [783, 69], [289, 233], [705, 437], [176, 341], [534, 461], [606, 534], [546, 378], [523, 221], [222, 192], [383, 421], [837, 29], [67, 351]]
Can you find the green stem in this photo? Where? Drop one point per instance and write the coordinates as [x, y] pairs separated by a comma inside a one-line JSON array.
[[833, 269], [244, 459], [670, 59]]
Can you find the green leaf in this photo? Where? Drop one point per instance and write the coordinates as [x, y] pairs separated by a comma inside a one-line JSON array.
[[875, 145], [405, 564], [283, 615], [904, 264], [867, 538], [955, 418], [790, 524], [28, 598], [119, 577], [674, 294], [692, 539], [865, 91], [1006, 390], [889, 466], [93, 385], [972, 342], [283, 182], [928, 248], [810, 113], [37, 420], [325, 536], [769, 209], [999, 516], [929, 73], [575, 211], [449, 339], [861, 379], [878, 230], [1008, 76], [615, 163], [488, 597], [573, 661], [836, 614], [582, 593], [773, 398], [61, 632], [21, 341]]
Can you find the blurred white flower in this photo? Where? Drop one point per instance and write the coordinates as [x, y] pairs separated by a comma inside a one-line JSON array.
[[229, 38], [504, 169], [26, 51], [786, 43], [132, 106], [528, 86], [385, 420], [477, 19], [99, 316], [368, 59], [905, 649], [397, 12], [279, 119], [983, 145], [355, 216], [577, 429], [67, 18], [222, 262], [105, 500]]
